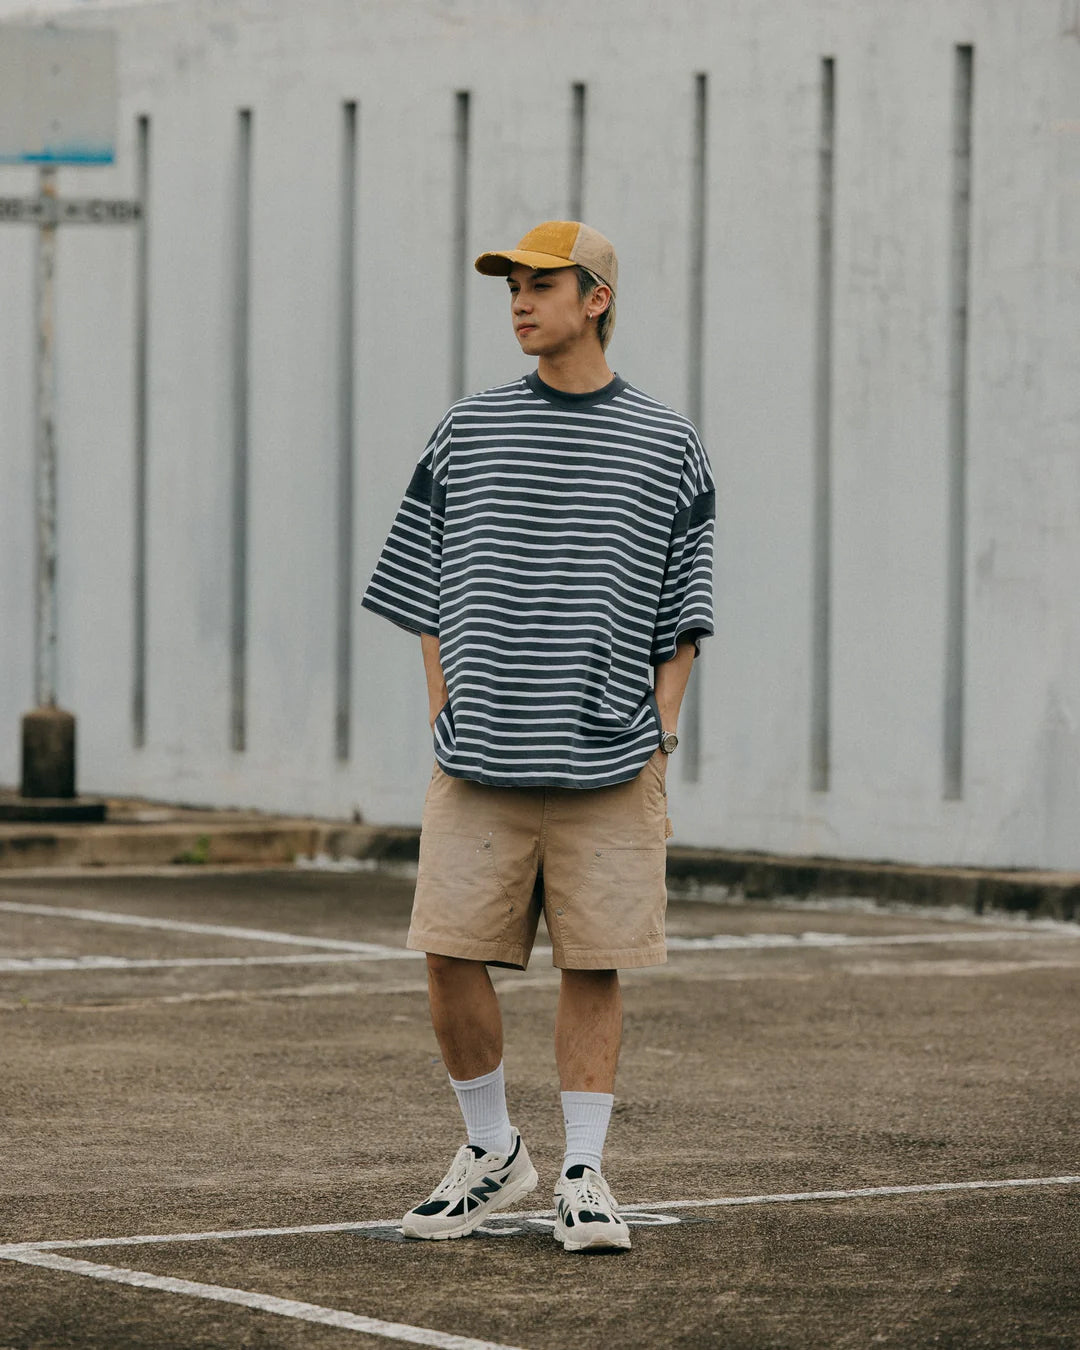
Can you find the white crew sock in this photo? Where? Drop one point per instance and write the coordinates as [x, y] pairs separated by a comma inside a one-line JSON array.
[[586, 1116], [483, 1104]]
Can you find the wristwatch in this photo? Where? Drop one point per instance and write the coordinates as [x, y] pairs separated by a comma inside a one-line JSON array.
[[668, 742]]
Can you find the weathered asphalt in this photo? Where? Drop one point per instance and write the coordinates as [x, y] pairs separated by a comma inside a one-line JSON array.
[[200, 1098]]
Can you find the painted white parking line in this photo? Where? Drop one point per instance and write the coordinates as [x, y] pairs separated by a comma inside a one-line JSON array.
[[29, 965], [43, 1254], [15, 965], [380, 951], [338, 950], [361, 951], [13, 1250], [179, 926], [303, 1230], [861, 1193], [771, 941], [281, 1307]]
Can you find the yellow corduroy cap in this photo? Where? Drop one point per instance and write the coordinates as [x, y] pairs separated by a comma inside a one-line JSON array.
[[558, 243]]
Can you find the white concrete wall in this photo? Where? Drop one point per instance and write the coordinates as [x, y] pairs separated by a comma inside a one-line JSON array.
[[189, 66]]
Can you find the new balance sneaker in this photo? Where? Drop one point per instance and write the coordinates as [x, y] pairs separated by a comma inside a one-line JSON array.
[[586, 1216], [476, 1185]]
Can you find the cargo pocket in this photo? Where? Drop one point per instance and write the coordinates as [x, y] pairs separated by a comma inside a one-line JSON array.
[[459, 893], [620, 902]]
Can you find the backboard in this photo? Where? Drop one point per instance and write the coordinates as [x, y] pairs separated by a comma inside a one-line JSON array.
[[57, 95]]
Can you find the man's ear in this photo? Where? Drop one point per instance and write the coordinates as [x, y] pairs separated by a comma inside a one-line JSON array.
[[602, 297]]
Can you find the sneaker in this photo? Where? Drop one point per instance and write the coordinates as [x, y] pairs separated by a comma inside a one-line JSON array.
[[586, 1216], [476, 1185]]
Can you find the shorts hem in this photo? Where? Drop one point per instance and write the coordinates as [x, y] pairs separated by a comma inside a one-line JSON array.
[[628, 958], [469, 949]]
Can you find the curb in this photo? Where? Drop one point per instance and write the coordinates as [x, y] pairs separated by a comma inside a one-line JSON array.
[[201, 843], [760, 876], [206, 841]]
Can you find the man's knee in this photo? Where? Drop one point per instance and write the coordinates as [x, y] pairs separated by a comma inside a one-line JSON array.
[[451, 967], [595, 978]]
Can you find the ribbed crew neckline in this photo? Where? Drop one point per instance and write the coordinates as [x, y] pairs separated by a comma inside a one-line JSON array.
[[542, 390]]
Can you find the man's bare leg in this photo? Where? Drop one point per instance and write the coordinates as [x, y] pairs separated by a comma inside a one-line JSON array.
[[468, 1026], [588, 1030], [466, 1016]]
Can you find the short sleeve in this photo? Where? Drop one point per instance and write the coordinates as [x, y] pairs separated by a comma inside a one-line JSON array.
[[404, 586], [686, 596]]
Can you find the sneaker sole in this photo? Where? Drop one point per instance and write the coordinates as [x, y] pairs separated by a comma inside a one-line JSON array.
[[598, 1242], [524, 1186]]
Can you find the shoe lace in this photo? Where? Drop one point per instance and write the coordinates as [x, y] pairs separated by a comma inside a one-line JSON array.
[[589, 1195], [458, 1173]]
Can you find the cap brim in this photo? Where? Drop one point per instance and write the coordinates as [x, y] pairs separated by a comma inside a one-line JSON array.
[[499, 264]]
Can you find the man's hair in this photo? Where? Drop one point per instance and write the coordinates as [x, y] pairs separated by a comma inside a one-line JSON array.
[[587, 283]]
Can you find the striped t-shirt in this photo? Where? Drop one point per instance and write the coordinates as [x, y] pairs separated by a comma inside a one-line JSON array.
[[558, 545]]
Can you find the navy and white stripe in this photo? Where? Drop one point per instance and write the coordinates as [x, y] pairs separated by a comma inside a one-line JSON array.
[[558, 545]]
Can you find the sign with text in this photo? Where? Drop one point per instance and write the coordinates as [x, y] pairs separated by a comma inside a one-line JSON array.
[[69, 210]]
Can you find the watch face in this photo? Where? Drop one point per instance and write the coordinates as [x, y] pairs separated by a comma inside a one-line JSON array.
[[669, 741]]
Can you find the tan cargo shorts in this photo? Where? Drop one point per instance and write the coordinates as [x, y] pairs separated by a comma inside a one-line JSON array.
[[593, 859]]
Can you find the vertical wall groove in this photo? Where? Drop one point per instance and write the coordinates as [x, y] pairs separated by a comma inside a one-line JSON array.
[[139, 579], [240, 392], [346, 365], [960, 255], [821, 618], [577, 153], [690, 714], [461, 244]]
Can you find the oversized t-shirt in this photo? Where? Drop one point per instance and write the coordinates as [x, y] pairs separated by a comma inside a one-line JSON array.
[[558, 545]]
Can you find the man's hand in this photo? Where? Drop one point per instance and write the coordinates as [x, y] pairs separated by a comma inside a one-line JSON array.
[[438, 694], [671, 680]]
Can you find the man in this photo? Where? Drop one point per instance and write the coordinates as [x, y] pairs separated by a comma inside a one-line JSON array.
[[554, 545]]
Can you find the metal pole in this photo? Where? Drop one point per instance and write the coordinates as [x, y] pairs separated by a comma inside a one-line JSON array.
[[45, 438]]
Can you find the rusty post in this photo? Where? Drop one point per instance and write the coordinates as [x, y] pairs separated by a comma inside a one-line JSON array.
[[48, 733], [45, 460]]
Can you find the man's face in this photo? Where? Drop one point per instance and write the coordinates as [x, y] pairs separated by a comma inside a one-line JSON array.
[[547, 310]]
